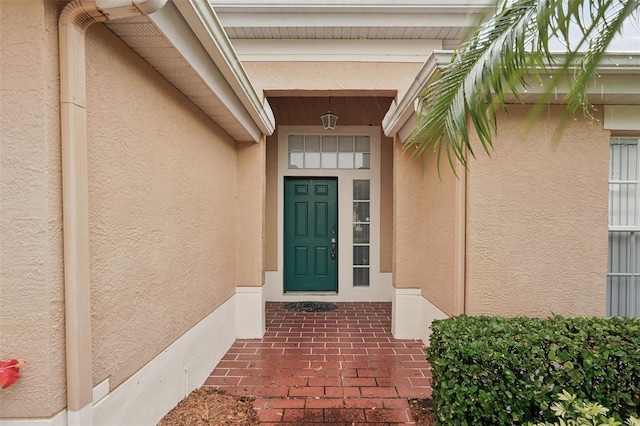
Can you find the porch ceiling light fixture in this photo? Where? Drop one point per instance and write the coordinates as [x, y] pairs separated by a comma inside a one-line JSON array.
[[329, 120]]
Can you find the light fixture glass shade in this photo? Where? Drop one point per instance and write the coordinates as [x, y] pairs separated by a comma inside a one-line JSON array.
[[329, 121]]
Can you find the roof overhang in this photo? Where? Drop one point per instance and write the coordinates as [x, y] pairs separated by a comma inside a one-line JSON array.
[[449, 21], [185, 42], [617, 83], [400, 113]]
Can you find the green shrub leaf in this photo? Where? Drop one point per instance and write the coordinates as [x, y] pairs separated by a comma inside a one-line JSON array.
[[498, 371]]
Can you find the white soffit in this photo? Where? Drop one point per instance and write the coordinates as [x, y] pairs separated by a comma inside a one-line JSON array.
[[167, 42]]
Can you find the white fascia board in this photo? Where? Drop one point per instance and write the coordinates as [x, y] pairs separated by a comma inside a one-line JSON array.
[[205, 25], [612, 62], [618, 74], [602, 84], [173, 26], [398, 114], [352, 50], [622, 117], [407, 129]]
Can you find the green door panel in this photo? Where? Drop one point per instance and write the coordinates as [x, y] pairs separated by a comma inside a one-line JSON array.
[[310, 222]]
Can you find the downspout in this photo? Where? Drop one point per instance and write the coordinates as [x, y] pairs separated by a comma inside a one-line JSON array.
[[74, 21]]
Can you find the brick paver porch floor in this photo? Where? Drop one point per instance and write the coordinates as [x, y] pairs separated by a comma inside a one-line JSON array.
[[336, 367]]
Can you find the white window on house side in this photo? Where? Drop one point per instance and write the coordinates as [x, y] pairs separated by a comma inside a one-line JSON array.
[[623, 278]]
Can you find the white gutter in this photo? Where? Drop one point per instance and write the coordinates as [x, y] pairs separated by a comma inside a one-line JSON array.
[[120, 9], [398, 114], [612, 64], [74, 21], [205, 24], [177, 31]]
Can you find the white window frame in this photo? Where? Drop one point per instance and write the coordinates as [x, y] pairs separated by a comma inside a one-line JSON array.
[[633, 268], [361, 244]]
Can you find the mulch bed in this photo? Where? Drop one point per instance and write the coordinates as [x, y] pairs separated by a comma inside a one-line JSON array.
[[209, 407], [422, 411]]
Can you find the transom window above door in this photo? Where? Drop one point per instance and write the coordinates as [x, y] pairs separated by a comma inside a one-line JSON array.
[[329, 152]]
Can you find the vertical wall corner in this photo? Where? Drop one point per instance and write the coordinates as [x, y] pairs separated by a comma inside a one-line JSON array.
[[405, 313], [250, 310]]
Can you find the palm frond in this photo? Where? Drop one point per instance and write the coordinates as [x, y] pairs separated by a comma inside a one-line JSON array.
[[606, 24], [497, 60]]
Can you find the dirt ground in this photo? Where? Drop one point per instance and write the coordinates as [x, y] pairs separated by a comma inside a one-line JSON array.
[[208, 407], [422, 411]]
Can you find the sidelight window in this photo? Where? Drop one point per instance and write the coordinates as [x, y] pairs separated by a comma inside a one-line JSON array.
[[361, 232]]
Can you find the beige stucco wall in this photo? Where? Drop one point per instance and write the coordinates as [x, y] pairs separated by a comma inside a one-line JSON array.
[[31, 272], [333, 76], [408, 247], [537, 218], [271, 210], [162, 210], [250, 214], [424, 229], [386, 203], [438, 234]]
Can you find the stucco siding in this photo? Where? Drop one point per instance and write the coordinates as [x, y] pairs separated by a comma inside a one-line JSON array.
[[162, 201], [332, 76], [31, 272], [424, 228], [386, 203], [250, 214], [438, 234], [537, 218], [271, 209], [408, 247]]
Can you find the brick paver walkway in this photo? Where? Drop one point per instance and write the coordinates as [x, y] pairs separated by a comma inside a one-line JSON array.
[[336, 367]]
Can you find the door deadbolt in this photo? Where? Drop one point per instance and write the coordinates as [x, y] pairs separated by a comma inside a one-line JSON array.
[[333, 246]]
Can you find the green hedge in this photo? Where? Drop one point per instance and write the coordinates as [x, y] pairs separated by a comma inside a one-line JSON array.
[[503, 371]]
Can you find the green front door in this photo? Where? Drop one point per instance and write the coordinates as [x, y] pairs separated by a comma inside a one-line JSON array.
[[310, 234]]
